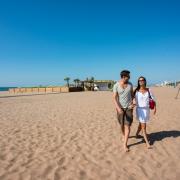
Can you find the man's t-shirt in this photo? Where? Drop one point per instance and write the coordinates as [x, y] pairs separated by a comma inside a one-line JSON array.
[[125, 95]]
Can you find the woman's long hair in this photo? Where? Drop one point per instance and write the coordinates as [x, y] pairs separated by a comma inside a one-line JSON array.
[[138, 85]]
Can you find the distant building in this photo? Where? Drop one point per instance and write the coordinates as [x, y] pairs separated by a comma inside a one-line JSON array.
[[104, 85], [169, 83]]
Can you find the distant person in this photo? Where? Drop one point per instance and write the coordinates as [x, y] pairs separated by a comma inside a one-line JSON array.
[[123, 100], [143, 96], [178, 87]]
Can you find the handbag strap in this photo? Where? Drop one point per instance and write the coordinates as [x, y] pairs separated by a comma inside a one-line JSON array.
[[149, 94]]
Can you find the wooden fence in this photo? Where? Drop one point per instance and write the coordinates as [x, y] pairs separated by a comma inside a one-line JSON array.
[[40, 90]]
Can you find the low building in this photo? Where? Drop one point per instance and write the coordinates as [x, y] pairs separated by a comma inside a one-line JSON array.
[[104, 85]]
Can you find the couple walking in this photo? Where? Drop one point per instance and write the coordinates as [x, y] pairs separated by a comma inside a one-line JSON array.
[[126, 99]]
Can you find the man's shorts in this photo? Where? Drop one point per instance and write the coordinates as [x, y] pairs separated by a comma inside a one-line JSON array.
[[126, 117]]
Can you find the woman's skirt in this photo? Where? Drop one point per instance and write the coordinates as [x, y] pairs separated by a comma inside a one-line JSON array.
[[143, 114]]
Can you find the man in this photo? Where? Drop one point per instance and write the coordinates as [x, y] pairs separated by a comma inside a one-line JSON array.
[[123, 100], [178, 87]]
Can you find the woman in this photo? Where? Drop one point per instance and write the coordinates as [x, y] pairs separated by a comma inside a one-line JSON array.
[[141, 97]]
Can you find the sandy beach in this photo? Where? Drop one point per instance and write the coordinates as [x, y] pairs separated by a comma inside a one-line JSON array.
[[76, 136]]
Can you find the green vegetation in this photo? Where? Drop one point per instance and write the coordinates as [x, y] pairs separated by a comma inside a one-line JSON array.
[[67, 79]]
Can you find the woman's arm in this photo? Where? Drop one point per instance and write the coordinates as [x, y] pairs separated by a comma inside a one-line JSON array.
[[153, 97], [134, 97], [133, 103]]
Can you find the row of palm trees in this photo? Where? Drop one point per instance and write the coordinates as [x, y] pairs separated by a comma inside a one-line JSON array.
[[89, 82], [67, 79]]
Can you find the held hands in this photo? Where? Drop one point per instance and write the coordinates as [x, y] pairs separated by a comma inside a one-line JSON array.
[[133, 104]]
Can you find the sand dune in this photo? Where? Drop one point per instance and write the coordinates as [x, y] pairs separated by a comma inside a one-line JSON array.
[[76, 136]]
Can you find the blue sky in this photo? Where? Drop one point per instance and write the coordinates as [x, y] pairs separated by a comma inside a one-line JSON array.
[[41, 42]]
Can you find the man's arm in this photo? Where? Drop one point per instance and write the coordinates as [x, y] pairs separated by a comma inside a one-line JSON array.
[[116, 102], [132, 92], [133, 103]]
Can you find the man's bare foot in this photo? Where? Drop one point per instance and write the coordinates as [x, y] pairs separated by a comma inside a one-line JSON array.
[[126, 149], [122, 138], [149, 146]]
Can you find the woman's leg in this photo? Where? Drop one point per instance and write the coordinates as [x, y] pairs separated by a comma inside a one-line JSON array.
[[143, 127], [138, 130]]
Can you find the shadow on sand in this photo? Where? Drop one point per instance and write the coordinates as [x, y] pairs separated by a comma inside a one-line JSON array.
[[158, 136]]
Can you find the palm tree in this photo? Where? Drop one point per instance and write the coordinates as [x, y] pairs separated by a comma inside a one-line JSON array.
[[76, 82], [92, 83], [82, 84], [86, 83], [67, 79]]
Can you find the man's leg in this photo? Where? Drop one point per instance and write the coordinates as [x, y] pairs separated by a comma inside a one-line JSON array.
[[126, 136], [122, 129], [128, 119], [123, 132], [121, 122]]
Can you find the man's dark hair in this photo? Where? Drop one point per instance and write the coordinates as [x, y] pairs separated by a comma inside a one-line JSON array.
[[124, 73]]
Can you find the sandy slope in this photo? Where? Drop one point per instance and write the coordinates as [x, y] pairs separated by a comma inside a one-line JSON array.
[[76, 136]]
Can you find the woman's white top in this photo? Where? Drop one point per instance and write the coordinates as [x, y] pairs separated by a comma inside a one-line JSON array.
[[142, 99], [142, 106]]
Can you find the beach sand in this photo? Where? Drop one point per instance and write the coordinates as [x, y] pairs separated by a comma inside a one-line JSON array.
[[76, 136]]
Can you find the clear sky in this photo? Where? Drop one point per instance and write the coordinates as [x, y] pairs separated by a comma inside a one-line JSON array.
[[41, 42]]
